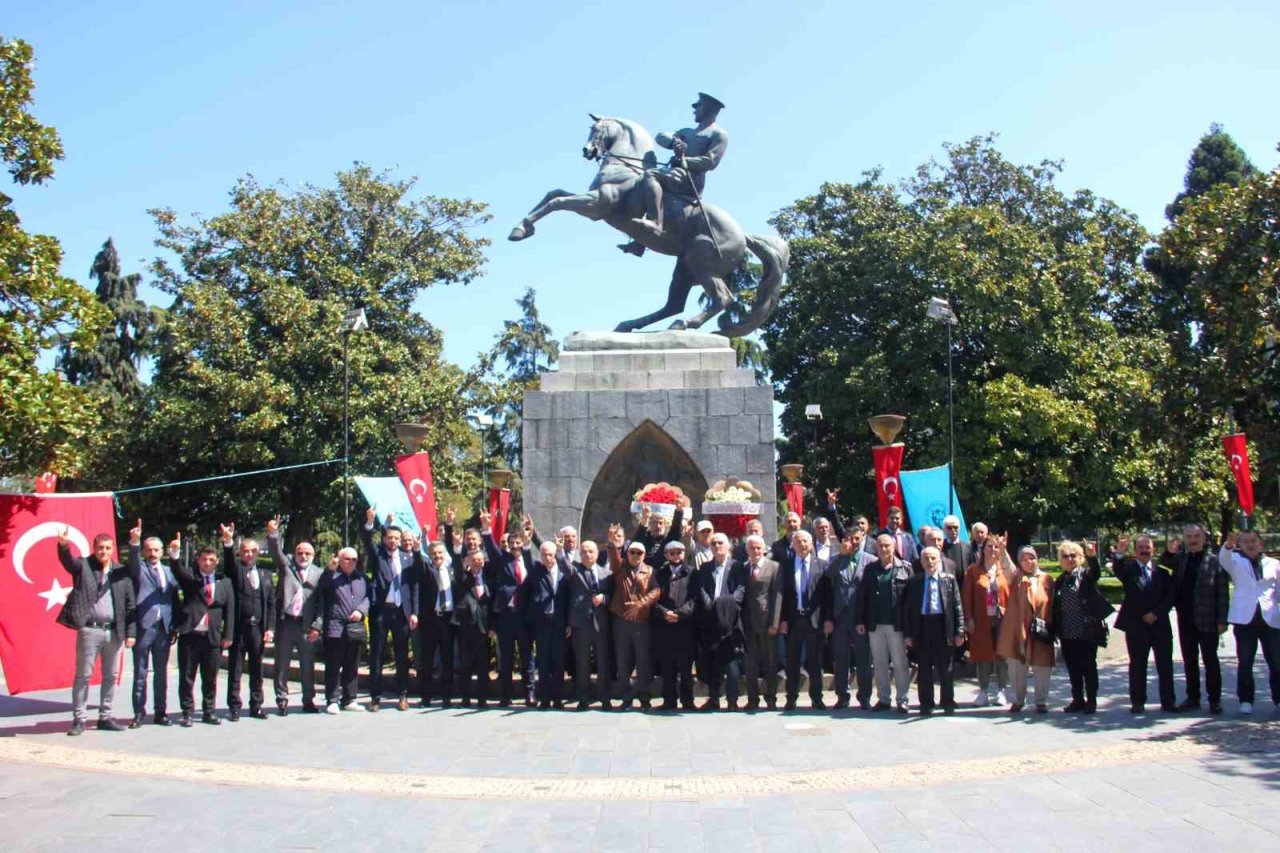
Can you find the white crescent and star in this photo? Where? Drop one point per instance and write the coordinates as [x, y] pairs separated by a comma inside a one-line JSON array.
[[1236, 461], [884, 485], [57, 593], [417, 496]]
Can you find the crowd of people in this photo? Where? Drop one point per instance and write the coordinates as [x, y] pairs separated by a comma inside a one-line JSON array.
[[675, 598]]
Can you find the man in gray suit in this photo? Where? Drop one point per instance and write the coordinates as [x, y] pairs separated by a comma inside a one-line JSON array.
[[590, 589], [760, 613], [843, 577], [298, 617], [156, 591]]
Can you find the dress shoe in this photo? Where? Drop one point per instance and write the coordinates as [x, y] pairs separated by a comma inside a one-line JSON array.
[[424, 702], [108, 724], [1172, 709], [466, 703], [841, 703], [374, 705], [446, 702], [1042, 708], [625, 705], [136, 722], [688, 706], [645, 705], [282, 709], [185, 721], [668, 705], [926, 712], [1073, 707], [582, 706], [732, 705], [558, 704], [710, 705], [163, 720], [530, 701], [1188, 704], [77, 728], [310, 708], [790, 706], [949, 710], [504, 703], [817, 704], [753, 704], [211, 719], [771, 704], [403, 704], [606, 705], [881, 706], [480, 703], [1015, 708], [1137, 709], [258, 713], [902, 708], [865, 706], [233, 716], [544, 704], [1089, 708], [1215, 707]]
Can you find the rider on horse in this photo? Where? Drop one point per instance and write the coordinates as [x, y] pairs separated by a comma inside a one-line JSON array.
[[697, 151]]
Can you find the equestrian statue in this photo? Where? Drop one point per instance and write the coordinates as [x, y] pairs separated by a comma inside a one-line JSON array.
[[661, 209]]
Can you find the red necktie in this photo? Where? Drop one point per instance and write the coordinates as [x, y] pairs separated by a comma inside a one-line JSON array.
[[208, 590], [519, 571]]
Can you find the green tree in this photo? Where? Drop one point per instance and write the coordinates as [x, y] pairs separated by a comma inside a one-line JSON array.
[[524, 348], [1216, 159], [249, 369], [1055, 415], [43, 418], [749, 351]]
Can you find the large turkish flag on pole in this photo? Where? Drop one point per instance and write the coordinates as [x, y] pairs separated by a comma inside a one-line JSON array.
[[415, 472], [888, 464], [37, 652], [1238, 458]]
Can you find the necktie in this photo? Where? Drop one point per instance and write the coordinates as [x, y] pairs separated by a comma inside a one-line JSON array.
[[519, 570], [159, 576], [804, 582], [208, 590]]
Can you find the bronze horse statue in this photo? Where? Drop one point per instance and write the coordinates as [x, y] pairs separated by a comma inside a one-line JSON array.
[[708, 244]]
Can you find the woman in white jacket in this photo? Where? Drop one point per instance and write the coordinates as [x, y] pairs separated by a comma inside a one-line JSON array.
[[1255, 611]]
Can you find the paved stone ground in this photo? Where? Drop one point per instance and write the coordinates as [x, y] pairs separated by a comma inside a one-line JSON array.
[[510, 779]]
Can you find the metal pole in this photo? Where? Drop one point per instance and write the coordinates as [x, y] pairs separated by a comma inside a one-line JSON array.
[[951, 430], [346, 441]]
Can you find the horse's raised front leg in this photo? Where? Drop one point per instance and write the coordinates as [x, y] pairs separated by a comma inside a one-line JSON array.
[[677, 295], [584, 204], [720, 297]]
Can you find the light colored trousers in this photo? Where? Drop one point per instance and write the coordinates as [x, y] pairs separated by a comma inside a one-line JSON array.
[[888, 649], [1018, 680], [90, 643]]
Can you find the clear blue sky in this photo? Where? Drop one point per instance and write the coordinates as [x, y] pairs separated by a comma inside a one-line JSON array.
[[167, 104]]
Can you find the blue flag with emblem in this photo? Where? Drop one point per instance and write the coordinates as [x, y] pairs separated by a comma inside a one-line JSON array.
[[387, 497], [925, 494]]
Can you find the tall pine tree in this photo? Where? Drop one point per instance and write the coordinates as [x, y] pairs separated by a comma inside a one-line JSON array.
[[524, 348]]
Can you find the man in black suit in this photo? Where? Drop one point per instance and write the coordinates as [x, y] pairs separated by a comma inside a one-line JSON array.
[[546, 611], [931, 537], [904, 544], [782, 552], [590, 589], [804, 604], [206, 626], [393, 607], [844, 577], [672, 618], [101, 610], [721, 586], [256, 621], [156, 591], [1201, 599], [472, 596], [436, 633], [510, 569], [959, 552], [1144, 618], [933, 625]]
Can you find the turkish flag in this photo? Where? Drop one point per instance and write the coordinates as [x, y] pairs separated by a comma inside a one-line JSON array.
[[37, 652], [888, 464], [499, 506], [415, 472], [47, 483], [1238, 458], [795, 497]]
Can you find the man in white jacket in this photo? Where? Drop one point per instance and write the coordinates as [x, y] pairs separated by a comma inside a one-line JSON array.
[[1255, 611]]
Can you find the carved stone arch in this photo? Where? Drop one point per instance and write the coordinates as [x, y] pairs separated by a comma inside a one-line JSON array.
[[646, 455]]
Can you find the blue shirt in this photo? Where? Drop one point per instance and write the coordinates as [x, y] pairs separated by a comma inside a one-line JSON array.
[[932, 603]]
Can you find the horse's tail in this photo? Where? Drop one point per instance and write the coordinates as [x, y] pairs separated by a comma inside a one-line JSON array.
[[774, 254]]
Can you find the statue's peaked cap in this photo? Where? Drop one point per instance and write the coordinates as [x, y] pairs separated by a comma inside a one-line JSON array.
[[716, 102]]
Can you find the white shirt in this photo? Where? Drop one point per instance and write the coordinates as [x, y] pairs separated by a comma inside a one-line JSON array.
[[393, 592], [446, 587], [1248, 592]]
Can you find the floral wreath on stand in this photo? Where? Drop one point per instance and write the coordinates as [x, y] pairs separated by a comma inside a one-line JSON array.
[[730, 504], [662, 499]]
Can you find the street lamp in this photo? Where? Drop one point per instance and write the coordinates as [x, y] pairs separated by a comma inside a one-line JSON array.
[[353, 321], [940, 310], [484, 425]]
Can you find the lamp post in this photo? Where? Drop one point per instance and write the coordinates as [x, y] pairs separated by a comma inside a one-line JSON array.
[[484, 425], [940, 309], [353, 321]]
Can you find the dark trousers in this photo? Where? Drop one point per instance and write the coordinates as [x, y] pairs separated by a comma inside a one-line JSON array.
[[151, 650], [291, 636], [585, 641], [434, 634], [675, 663], [1196, 644], [1081, 658], [724, 668], [804, 640], [549, 650], [757, 655], [388, 618], [1141, 642], [935, 654], [846, 644], [196, 654], [473, 657], [248, 642], [341, 668], [513, 636], [1248, 638], [631, 651]]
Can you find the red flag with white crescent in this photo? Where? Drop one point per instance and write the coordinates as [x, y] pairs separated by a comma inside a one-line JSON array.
[[499, 506], [888, 464], [37, 653], [415, 472], [1238, 458]]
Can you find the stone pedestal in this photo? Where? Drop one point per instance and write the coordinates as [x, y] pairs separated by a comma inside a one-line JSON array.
[[624, 410]]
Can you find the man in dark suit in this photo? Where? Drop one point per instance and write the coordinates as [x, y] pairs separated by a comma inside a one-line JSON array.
[[156, 591], [761, 613], [433, 578], [590, 588], [844, 576], [782, 552], [256, 615], [804, 601], [206, 626], [932, 537], [298, 617], [1144, 618], [1201, 599], [546, 615], [101, 610], [672, 618], [904, 545], [471, 596], [344, 596], [933, 625], [959, 552], [393, 606], [721, 587], [510, 569]]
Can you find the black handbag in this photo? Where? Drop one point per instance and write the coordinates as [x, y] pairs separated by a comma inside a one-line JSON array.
[[1040, 631]]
